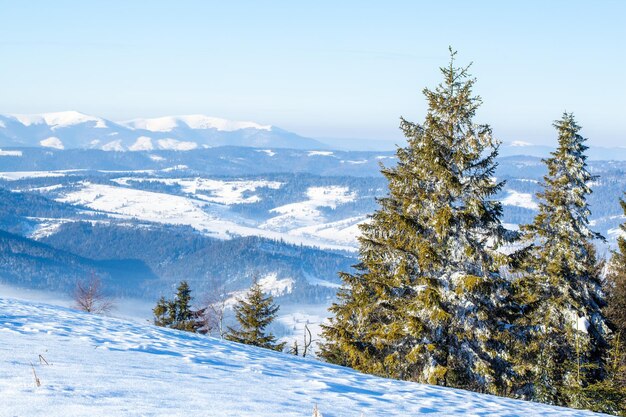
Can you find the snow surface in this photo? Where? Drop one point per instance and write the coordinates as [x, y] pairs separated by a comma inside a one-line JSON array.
[[58, 119], [515, 198], [176, 145], [307, 213], [10, 153], [582, 324], [19, 175], [46, 227], [206, 205], [343, 231], [305, 220], [52, 142], [277, 287], [157, 158], [143, 143], [320, 153], [100, 366], [138, 204], [210, 218], [183, 133], [223, 192], [174, 168], [196, 121], [115, 145], [132, 309]]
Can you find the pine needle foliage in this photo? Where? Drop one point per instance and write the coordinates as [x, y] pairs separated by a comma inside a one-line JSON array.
[[427, 302], [254, 313], [562, 330]]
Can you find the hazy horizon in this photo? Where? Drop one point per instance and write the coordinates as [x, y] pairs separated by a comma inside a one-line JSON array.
[[322, 70]]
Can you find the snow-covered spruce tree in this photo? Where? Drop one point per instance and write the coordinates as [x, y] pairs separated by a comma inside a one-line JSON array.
[[185, 317], [427, 302], [616, 284], [161, 311], [254, 313], [562, 329], [616, 314], [177, 313]]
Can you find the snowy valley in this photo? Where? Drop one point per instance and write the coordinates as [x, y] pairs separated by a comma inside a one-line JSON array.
[[143, 221]]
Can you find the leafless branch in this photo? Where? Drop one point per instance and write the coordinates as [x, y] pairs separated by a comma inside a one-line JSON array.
[[214, 310]]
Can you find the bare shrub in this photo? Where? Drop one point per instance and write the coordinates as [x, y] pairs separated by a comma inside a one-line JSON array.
[[89, 297], [213, 313]]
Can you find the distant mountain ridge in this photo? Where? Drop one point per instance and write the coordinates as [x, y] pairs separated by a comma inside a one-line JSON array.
[[514, 148], [28, 263], [75, 130]]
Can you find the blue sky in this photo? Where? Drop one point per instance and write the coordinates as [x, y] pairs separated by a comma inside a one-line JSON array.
[[319, 68]]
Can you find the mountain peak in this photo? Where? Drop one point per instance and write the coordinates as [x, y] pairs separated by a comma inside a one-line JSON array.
[[193, 121], [75, 130], [58, 119]]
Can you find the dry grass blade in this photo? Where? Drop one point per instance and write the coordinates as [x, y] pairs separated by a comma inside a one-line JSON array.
[[37, 381]]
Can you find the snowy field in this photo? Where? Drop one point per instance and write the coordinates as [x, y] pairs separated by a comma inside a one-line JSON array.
[[325, 216], [212, 218], [98, 366], [518, 199], [205, 206]]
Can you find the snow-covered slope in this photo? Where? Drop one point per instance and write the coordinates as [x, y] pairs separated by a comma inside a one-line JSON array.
[[98, 366], [58, 120], [71, 129], [199, 211]]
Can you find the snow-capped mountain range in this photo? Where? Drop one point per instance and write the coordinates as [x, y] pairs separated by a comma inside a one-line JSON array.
[[72, 129], [75, 130]]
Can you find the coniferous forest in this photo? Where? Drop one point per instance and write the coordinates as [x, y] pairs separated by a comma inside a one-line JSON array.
[[444, 294]]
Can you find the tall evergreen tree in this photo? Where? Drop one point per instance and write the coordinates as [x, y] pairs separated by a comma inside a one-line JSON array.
[[185, 319], [616, 284], [177, 313], [562, 327], [427, 302], [254, 313], [616, 313]]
